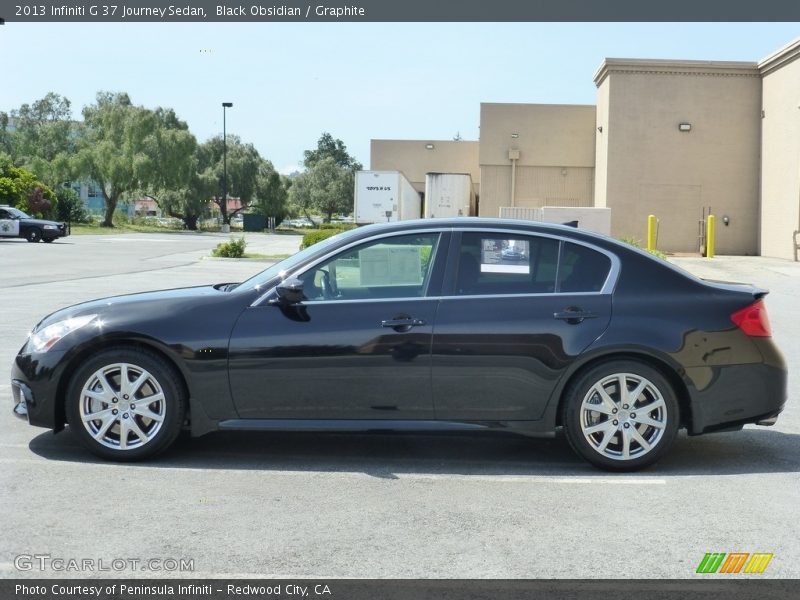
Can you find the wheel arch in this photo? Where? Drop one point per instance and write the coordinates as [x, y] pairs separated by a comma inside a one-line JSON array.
[[661, 364], [89, 350]]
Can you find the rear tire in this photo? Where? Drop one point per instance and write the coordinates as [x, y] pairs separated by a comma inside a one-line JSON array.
[[33, 235], [621, 415], [138, 403]]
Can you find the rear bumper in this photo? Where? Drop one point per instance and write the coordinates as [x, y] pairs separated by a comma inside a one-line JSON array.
[[728, 397]]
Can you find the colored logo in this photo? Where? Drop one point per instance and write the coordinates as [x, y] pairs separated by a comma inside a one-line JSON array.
[[734, 562]]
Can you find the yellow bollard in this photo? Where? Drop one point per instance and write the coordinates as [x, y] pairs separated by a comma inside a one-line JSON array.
[[710, 236], [651, 232]]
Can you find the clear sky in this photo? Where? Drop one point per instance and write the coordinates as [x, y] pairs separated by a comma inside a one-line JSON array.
[[290, 82]]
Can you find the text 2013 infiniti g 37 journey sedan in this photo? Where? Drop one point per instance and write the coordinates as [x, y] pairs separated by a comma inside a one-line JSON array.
[[418, 325]]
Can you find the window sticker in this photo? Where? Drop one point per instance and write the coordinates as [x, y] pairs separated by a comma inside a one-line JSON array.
[[390, 265], [505, 256]]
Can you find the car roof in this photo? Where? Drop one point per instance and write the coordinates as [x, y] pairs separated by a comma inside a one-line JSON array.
[[487, 223]]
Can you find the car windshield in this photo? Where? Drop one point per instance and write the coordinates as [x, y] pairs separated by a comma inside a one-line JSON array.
[[286, 265], [15, 212]]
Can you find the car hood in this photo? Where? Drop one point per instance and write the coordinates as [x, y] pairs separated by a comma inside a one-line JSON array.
[[40, 222], [160, 302]]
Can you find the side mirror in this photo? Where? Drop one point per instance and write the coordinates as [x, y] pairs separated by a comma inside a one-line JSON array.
[[290, 291]]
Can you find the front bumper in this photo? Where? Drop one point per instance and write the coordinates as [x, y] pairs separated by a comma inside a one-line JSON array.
[[34, 388], [21, 394]]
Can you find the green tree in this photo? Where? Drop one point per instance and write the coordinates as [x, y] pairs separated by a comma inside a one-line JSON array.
[[5, 134], [69, 207], [167, 168], [110, 146], [326, 187], [328, 147], [271, 192], [44, 138], [129, 149], [191, 201], [244, 163], [17, 185]]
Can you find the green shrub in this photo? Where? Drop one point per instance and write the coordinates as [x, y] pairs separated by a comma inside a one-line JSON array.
[[636, 243], [70, 207], [232, 249], [338, 226], [317, 235]]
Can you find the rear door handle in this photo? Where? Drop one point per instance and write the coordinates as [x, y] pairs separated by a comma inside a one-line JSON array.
[[402, 324], [574, 315]]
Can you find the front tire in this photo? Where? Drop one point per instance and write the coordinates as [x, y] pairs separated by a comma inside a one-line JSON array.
[[126, 404], [33, 235], [621, 415]]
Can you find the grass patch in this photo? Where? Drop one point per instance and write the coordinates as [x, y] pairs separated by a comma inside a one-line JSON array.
[[94, 229], [272, 257]]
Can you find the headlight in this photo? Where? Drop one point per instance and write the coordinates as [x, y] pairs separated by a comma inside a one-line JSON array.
[[43, 340], [51, 226]]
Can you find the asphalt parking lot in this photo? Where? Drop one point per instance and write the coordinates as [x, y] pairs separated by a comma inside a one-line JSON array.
[[376, 505]]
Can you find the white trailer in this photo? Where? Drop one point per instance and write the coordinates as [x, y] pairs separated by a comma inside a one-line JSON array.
[[449, 195], [385, 196]]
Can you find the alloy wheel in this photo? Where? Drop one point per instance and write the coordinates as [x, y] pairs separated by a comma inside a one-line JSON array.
[[122, 406], [623, 416]]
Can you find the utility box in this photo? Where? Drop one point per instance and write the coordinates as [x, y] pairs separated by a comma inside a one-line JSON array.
[[583, 217], [253, 222], [449, 195], [385, 196]]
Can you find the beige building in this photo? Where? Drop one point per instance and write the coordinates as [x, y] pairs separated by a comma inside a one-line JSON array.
[[673, 138], [534, 155], [416, 158], [676, 139], [780, 151]]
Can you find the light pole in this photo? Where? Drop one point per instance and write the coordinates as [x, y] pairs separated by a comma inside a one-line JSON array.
[[225, 226]]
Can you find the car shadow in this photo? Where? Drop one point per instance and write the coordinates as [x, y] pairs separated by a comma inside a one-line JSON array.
[[388, 455]]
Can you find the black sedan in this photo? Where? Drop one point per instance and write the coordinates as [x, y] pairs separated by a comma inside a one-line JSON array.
[[417, 326]]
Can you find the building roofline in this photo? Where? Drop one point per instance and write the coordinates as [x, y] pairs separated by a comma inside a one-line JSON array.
[[555, 105], [780, 58], [423, 141], [674, 67]]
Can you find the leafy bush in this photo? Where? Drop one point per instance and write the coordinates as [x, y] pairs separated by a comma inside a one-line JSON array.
[[338, 226], [317, 235], [637, 244], [232, 249], [70, 208]]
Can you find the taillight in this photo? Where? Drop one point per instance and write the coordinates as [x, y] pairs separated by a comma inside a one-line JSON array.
[[753, 320]]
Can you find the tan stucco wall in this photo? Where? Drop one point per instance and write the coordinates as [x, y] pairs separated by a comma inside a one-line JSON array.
[[556, 155], [601, 146], [780, 157], [415, 160], [652, 167]]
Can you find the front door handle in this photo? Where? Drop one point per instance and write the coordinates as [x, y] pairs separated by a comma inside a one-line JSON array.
[[402, 323], [574, 315]]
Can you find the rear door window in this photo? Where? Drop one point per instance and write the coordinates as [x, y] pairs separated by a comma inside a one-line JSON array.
[[500, 263]]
